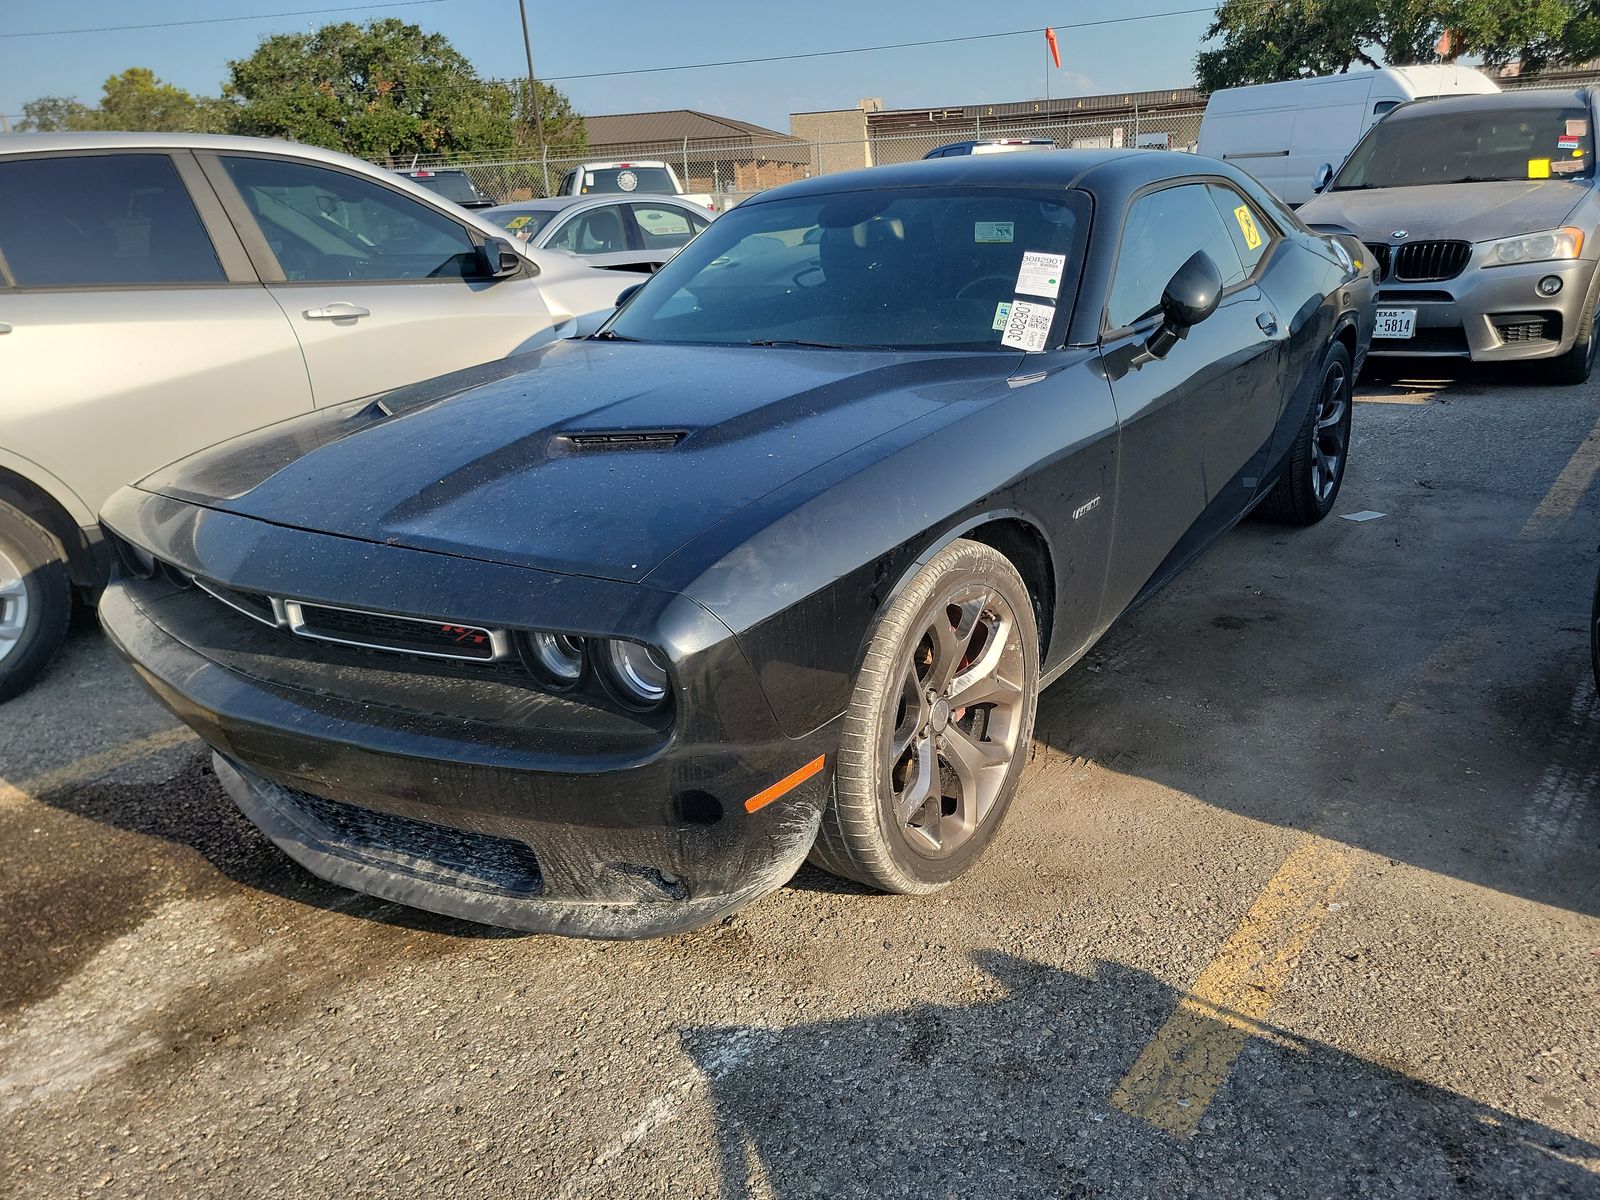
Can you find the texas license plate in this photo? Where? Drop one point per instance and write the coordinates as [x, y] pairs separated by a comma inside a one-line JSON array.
[[1396, 323]]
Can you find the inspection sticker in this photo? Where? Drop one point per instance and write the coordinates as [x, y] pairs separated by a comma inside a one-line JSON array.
[[993, 231], [1040, 274], [1247, 226], [1028, 325], [1001, 312]]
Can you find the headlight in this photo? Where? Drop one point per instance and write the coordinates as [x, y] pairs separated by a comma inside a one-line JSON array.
[[559, 656], [1342, 255], [638, 672], [1536, 247]]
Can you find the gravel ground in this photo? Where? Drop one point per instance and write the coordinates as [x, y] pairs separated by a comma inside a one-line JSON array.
[[1319, 821]]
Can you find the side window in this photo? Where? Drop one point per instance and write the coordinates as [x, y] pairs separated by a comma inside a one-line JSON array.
[[1252, 236], [598, 231], [326, 226], [1163, 229], [664, 227], [1383, 106], [102, 219]]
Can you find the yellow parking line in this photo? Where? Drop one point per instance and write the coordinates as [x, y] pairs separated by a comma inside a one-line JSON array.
[[92, 765], [1570, 486], [1181, 1069]]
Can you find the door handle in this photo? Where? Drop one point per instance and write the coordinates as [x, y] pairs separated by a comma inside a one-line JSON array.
[[1268, 322], [339, 310]]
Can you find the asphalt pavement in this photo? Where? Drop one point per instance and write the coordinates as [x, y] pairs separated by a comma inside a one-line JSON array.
[[1301, 899]]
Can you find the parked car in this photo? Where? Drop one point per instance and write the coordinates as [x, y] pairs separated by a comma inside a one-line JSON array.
[[650, 177], [636, 233], [1483, 215], [161, 292], [989, 146], [774, 565], [1280, 132], [452, 183]]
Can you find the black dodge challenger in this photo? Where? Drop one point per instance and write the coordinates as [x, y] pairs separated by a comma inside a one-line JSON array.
[[608, 639]]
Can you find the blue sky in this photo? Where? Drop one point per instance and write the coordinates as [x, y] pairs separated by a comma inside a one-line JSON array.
[[574, 38]]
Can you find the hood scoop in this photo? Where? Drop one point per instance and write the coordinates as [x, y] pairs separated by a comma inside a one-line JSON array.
[[621, 439]]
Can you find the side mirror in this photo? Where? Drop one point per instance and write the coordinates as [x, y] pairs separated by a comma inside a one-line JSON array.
[[626, 294], [497, 260], [1190, 297], [1322, 178]]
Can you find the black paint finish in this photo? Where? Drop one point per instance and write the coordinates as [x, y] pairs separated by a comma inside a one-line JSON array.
[[767, 504]]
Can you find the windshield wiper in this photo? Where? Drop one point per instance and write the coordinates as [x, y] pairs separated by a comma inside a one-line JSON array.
[[610, 335], [818, 345]]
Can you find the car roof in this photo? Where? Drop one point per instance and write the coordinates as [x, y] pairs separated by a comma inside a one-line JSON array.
[[1047, 168], [1489, 101], [561, 203], [43, 143]]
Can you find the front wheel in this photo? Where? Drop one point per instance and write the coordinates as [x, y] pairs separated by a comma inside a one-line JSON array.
[[35, 599], [938, 728], [1310, 483]]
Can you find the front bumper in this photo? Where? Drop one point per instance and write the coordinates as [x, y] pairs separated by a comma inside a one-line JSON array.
[[508, 812], [1486, 314]]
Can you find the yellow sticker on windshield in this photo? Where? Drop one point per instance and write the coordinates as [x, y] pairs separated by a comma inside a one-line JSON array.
[[1538, 168], [517, 222], [1247, 226]]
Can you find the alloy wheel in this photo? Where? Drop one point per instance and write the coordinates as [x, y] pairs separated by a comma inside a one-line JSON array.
[[13, 604], [952, 726], [1329, 439]]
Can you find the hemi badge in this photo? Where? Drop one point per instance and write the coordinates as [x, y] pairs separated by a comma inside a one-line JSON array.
[[1084, 509]]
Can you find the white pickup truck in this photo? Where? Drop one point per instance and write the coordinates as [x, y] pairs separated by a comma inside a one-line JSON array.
[[649, 177]]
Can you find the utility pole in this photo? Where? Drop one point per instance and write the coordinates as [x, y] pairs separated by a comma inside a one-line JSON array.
[[533, 86]]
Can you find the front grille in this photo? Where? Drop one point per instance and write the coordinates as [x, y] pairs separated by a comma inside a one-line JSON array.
[[251, 604], [1413, 296], [492, 863], [1425, 262], [1380, 254], [405, 635], [1519, 328]]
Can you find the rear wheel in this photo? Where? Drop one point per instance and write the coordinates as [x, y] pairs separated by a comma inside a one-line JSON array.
[[1305, 493], [35, 599], [938, 728]]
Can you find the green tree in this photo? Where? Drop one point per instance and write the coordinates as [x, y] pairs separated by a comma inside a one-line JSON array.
[[1267, 40], [49, 114], [385, 89], [135, 101]]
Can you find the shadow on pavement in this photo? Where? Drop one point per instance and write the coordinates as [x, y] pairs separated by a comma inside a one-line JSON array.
[[1005, 1097]]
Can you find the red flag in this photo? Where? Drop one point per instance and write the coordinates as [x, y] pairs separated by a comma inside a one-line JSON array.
[[1055, 48]]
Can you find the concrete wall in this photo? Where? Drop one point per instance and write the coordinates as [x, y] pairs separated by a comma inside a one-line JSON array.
[[840, 137]]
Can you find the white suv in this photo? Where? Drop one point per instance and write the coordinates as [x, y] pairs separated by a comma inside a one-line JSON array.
[[160, 293]]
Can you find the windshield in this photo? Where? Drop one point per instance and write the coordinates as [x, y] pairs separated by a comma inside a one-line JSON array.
[[649, 180], [455, 186], [525, 223], [1472, 147], [910, 268]]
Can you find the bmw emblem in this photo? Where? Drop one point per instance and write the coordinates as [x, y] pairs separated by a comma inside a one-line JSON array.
[[1400, 235]]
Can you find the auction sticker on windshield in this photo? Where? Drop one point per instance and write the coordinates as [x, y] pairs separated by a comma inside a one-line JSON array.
[[1395, 323], [993, 231], [1028, 326], [1040, 274]]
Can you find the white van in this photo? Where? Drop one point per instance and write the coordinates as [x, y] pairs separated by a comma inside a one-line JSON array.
[[1282, 132]]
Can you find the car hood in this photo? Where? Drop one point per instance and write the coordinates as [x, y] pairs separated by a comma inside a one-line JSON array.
[[594, 458], [1476, 212]]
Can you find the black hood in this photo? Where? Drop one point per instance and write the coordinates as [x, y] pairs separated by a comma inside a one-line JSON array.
[[588, 457]]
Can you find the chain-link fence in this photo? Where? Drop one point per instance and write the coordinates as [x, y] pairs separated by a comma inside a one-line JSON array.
[[727, 171]]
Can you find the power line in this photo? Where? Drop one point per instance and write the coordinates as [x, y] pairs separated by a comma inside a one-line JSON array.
[[975, 37], [302, 12]]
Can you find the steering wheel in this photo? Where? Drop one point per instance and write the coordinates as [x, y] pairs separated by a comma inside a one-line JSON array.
[[961, 292]]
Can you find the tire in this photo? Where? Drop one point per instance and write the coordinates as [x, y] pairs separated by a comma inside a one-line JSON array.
[[1577, 364], [1309, 485], [35, 600], [898, 743]]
